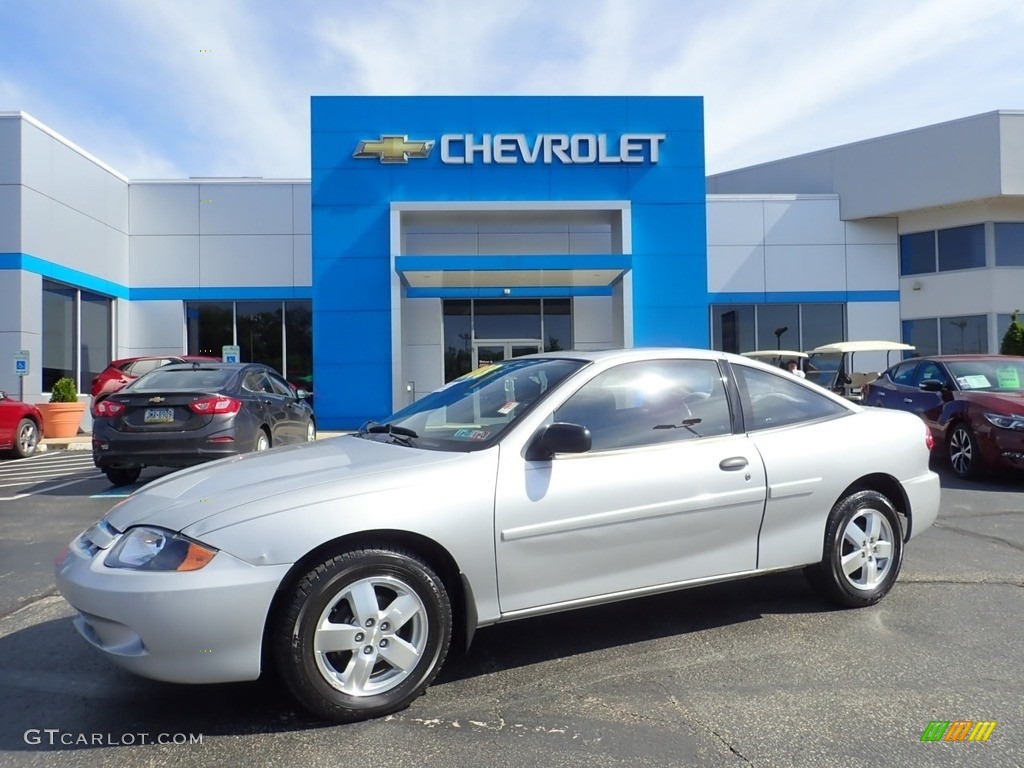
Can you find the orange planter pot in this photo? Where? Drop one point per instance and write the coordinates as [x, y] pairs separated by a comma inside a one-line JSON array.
[[61, 419]]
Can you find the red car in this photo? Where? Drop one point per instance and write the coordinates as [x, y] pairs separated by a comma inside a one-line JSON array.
[[128, 369], [20, 426], [973, 404]]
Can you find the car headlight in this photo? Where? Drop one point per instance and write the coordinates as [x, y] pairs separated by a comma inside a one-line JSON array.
[[1006, 422], [155, 549]]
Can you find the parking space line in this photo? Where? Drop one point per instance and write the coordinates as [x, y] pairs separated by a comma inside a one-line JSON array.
[[44, 489]]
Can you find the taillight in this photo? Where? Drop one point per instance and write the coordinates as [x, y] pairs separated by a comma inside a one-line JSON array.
[[108, 408], [215, 404], [929, 440]]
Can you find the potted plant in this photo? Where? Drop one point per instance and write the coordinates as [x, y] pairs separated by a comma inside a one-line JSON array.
[[63, 414]]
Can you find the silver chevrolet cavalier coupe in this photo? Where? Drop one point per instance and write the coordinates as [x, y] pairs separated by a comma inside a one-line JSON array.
[[535, 485]]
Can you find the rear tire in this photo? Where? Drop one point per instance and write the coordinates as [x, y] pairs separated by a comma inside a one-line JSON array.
[[122, 475], [863, 551], [363, 634], [26, 438]]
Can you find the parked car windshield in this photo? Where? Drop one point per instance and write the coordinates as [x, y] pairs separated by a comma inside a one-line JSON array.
[[1003, 375], [473, 411], [182, 378]]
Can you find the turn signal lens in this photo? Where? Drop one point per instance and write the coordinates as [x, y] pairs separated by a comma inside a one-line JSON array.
[[215, 404]]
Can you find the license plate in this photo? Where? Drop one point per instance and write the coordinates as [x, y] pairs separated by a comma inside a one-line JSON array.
[[159, 415]]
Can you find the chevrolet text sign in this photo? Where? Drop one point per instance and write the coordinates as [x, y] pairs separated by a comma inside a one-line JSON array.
[[513, 148]]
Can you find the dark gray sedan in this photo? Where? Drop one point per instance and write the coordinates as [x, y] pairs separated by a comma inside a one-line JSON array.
[[187, 414]]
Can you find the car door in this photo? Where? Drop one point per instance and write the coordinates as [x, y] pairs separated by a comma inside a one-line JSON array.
[[803, 437], [894, 388], [928, 403], [667, 493], [296, 415], [269, 406]]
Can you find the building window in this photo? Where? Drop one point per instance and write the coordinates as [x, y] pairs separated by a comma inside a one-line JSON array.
[[739, 328], [77, 329], [276, 333], [1009, 245], [962, 248], [963, 335], [917, 253], [923, 334]]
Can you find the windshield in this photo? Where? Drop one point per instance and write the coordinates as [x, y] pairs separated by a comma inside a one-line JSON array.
[[988, 375], [473, 411], [821, 368]]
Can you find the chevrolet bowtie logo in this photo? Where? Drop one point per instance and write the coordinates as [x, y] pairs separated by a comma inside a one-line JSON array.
[[156, 399], [393, 149]]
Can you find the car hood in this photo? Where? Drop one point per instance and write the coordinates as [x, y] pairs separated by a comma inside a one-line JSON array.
[[997, 402], [231, 490]]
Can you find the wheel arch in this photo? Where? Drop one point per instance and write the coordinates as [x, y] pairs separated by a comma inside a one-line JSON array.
[[892, 489], [464, 615]]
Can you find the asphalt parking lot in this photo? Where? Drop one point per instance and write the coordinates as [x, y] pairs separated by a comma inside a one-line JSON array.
[[753, 673]]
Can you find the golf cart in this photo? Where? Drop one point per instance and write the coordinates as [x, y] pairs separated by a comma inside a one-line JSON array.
[[780, 357], [832, 365]]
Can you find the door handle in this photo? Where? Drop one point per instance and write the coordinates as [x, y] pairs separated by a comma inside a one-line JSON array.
[[907, 400], [732, 464]]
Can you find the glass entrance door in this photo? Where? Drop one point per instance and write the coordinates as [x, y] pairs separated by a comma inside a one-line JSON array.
[[488, 352]]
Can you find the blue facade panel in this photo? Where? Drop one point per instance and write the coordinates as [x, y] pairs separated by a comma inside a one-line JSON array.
[[352, 195]]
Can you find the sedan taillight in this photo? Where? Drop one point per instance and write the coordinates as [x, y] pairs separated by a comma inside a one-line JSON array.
[[215, 404], [108, 408], [929, 440]]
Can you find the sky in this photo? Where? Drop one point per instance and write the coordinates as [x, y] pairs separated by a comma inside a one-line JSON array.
[[179, 88]]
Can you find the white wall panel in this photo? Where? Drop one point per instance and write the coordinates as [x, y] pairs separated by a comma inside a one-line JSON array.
[[10, 150], [302, 260], [164, 261], [805, 268], [245, 209], [422, 364], [422, 321], [872, 267], [735, 222], [245, 260], [441, 244], [156, 327], [302, 208], [871, 321], [873, 231], [593, 324], [524, 243], [802, 221], [590, 242], [165, 209], [10, 216], [735, 268], [968, 292], [10, 300]]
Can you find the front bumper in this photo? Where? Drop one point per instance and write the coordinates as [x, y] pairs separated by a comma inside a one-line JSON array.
[[203, 626], [1002, 448]]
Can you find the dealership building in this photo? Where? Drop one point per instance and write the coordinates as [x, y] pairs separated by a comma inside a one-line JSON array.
[[439, 233]]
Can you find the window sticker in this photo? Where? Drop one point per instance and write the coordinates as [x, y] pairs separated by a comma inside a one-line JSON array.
[[1009, 378], [472, 434], [507, 408], [973, 381]]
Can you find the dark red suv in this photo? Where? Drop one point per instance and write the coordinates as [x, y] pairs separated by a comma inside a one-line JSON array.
[[128, 369]]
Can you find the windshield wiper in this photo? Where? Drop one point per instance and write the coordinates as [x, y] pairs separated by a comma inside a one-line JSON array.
[[402, 435]]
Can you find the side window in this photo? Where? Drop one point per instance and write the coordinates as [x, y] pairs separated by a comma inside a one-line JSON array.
[[651, 402], [771, 400], [280, 386], [255, 381], [928, 371], [903, 373]]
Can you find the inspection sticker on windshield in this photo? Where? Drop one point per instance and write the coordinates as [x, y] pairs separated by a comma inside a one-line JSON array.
[[507, 408], [974, 381], [1009, 378], [472, 434]]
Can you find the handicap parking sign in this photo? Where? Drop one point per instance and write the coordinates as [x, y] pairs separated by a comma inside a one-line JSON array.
[[231, 353], [21, 363]]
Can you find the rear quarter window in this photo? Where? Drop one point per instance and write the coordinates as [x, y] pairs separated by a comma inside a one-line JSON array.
[[771, 400]]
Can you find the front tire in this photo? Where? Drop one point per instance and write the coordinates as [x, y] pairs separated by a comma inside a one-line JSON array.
[[363, 634], [963, 453], [863, 551], [262, 441], [26, 438], [122, 475]]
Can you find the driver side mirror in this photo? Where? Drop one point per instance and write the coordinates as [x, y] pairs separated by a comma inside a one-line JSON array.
[[559, 437], [931, 385]]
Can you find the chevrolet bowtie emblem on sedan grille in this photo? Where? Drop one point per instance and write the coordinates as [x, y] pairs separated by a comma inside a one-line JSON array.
[[156, 399], [393, 149]]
